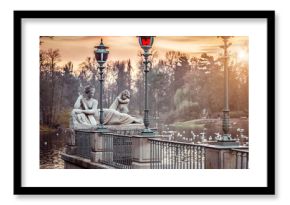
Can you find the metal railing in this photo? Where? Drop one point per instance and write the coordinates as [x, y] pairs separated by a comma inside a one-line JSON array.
[[176, 155], [131, 132], [83, 144], [117, 150], [242, 158], [165, 154]]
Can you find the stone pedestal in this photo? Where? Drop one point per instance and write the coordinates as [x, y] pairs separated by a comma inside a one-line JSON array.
[[96, 147], [70, 139], [221, 157], [96, 156], [141, 152], [69, 149]]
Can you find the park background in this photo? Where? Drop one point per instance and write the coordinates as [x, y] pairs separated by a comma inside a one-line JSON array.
[[185, 79], [282, 167]]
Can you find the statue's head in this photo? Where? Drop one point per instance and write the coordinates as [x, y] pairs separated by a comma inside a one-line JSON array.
[[125, 94], [89, 91]]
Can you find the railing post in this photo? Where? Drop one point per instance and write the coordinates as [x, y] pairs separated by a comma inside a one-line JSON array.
[[245, 161], [238, 160], [219, 157], [98, 147], [213, 158], [70, 137], [140, 152]]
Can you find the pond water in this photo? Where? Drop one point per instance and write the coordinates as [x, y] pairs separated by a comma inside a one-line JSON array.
[[51, 144]]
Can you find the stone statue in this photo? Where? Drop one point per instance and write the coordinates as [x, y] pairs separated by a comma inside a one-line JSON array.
[[85, 112], [85, 108], [121, 102]]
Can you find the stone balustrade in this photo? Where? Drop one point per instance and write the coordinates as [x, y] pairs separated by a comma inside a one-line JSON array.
[[123, 147]]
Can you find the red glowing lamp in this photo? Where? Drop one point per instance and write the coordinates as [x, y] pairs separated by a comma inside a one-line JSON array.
[[146, 42]]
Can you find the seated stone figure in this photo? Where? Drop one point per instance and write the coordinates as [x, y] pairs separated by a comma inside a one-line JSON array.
[[85, 112], [85, 108], [121, 102]]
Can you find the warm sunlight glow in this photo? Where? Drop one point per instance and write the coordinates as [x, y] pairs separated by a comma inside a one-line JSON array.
[[242, 55], [77, 48]]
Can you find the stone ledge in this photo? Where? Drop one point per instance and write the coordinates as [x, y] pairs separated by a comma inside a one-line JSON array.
[[125, 127], [110, 127], [82, 162]]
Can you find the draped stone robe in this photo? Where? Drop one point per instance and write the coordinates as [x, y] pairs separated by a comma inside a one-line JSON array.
[[111, 116]]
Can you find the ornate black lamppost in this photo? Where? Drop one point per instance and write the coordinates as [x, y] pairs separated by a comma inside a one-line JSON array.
[[146, 43], [226, 138], [101, 55]]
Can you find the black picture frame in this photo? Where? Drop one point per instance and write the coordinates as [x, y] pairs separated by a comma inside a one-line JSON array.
[[19, 189]]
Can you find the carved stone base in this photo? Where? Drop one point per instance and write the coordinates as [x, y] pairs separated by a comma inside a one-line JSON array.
[[70, 149], [96, 156], [70, 136], [138, 165], [76, 162]]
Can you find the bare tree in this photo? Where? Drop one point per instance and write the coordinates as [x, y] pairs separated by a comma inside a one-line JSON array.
[[53, 57]]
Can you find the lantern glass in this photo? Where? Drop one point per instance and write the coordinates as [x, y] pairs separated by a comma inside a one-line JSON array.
[[105, 56], [101, 53], [146, 41], [98, 57]]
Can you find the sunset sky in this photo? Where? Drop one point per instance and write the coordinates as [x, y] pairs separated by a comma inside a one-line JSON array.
[[78, 48]]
